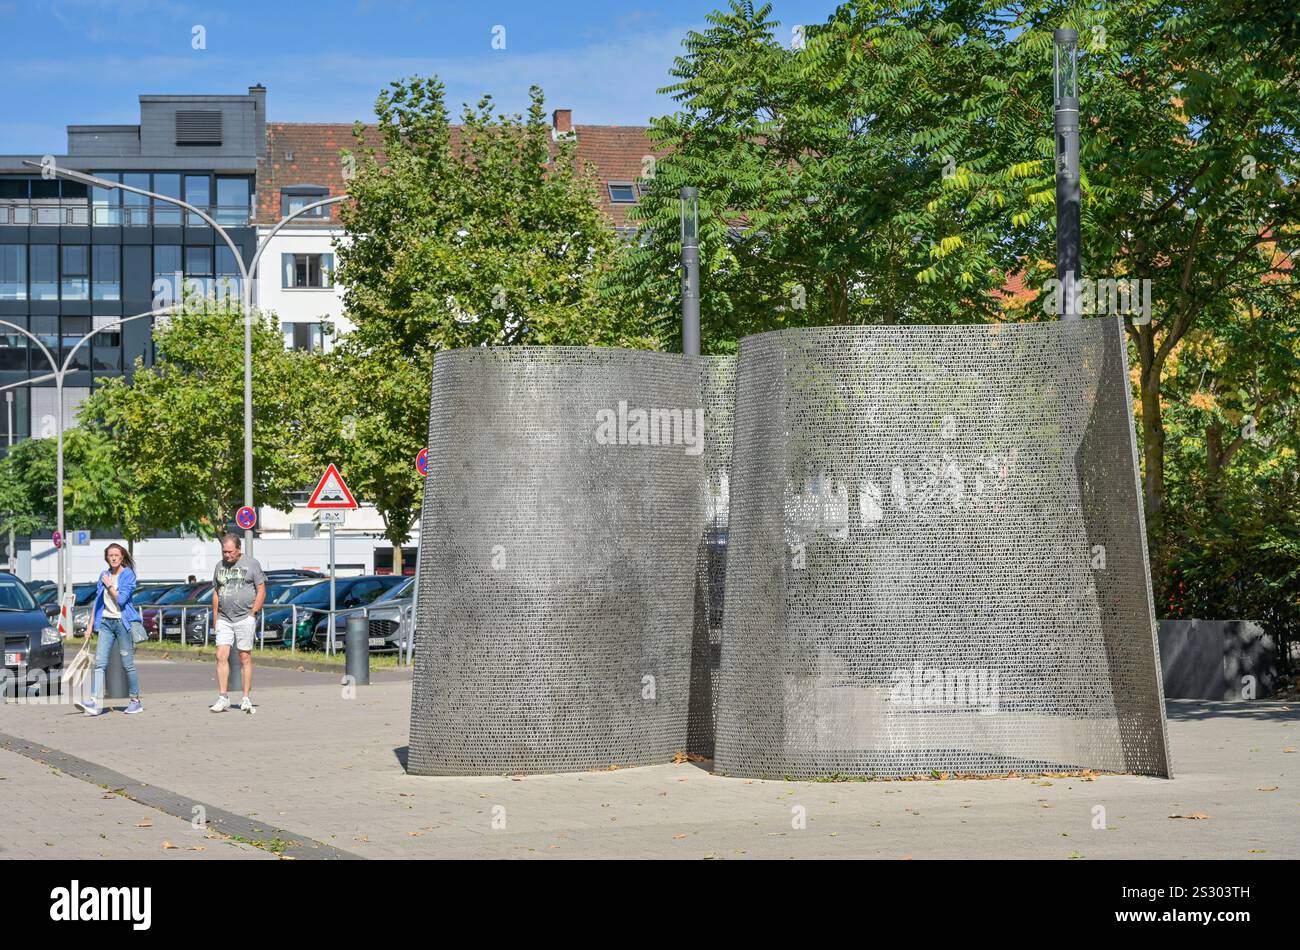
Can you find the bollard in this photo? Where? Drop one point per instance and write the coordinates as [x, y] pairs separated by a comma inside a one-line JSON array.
[[357, 662], [115, 684], [235, 683]]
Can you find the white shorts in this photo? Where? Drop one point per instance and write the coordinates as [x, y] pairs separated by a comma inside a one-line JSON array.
[[240, 632]]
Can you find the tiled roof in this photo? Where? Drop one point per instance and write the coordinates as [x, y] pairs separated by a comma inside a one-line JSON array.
[[299, 153]]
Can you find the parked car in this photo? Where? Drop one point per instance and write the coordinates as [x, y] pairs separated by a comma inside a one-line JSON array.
[[198, 619], [83, 607], [147, 594], [33, 649], [291, 574], [314, 602], [180, 594], [48, 601], [36, 588], [383, 619], [195, 611]]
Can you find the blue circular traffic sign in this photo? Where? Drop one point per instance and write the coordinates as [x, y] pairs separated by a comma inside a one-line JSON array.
[[246, 517], [422, 462]]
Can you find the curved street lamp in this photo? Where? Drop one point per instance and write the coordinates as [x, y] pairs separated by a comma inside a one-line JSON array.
[[59, 371], [247, 275]]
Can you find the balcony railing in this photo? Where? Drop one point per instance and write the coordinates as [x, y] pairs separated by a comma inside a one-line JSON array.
[[53, 213]]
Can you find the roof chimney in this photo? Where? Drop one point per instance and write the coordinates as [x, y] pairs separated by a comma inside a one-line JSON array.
[[562, 124], [258, 94]]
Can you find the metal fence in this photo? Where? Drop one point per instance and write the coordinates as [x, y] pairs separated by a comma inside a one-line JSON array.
[[404, 643]]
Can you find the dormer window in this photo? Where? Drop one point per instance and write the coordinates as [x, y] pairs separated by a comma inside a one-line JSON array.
[[293, 197]]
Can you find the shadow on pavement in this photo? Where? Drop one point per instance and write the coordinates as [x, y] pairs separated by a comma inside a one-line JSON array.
[[1262, 710]]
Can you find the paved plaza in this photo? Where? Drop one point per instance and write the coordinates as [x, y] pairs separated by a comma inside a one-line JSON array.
[[318, 774]]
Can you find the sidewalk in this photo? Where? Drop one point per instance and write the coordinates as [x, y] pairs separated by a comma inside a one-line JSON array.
[[328, 768]]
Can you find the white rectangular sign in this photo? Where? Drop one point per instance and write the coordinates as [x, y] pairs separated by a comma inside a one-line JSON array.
[[331, 517]]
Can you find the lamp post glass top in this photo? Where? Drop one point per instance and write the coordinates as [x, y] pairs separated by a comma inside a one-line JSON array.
[[690, 216], [1065, 66]]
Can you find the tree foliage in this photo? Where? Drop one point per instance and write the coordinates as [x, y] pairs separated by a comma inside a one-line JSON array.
[[484, 234], [177, 427]]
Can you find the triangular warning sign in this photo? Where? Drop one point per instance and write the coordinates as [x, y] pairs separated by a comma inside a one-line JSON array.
[[332, 491]]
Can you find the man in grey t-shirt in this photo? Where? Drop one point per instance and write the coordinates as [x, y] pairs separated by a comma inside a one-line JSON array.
[[238, 590]]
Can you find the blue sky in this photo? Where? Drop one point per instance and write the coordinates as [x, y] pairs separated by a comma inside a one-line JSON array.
[[88, 61]]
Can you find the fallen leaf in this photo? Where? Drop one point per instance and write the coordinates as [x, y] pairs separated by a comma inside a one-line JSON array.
[[168, 846], [679, 758], [678, 837], [416, 834], [144, 823], [1288, 749], [1196, 816], [197, 847], [1267, 788]]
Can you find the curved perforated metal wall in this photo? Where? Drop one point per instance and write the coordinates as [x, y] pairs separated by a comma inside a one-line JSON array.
[[936, 556], [560, 550], [953, 509]]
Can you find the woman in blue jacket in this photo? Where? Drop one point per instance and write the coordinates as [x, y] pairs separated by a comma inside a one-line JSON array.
[[114, 614]]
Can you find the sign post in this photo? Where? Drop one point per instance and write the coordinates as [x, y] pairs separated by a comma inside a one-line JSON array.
[[421, 466], [332, 497]]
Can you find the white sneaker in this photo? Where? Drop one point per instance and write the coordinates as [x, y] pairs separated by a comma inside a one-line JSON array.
[[247, 706], [221, 705]]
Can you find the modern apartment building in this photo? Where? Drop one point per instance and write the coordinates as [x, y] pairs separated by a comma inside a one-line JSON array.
[[73, 258]]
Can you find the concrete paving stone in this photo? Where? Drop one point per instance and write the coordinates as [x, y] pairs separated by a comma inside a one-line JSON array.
[[330, 768]]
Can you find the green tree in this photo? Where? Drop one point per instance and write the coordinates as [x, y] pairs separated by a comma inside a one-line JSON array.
[[899, 166], [99, 493], [485, 234], [818, 155], [177, 427]]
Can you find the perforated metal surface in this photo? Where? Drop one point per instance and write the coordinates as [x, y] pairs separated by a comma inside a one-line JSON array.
[[915, 577], [958, 502], [558, 574]]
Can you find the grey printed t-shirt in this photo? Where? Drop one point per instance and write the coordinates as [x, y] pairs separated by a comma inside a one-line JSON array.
[[236, 587]]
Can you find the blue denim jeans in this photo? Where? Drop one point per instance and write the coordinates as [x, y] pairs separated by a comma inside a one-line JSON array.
[[110, 632]]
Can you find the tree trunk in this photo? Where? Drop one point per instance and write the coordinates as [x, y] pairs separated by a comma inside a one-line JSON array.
[[397, 559], [1153, 444]]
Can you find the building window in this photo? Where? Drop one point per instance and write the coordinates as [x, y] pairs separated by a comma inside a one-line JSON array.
[[198, 192], [74, 328], [166, 275], [13, 272], [106, 347], [622, 192], [307, 271], [106, 272], [164, 214], [228, 279], [45, 271], [135, 208], [232, 201], [307, 336], [294, 197], [106, 203], [13, 349], [198, 271], [76, 272]]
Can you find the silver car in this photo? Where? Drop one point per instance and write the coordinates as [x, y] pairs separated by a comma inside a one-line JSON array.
[[389, 617]]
